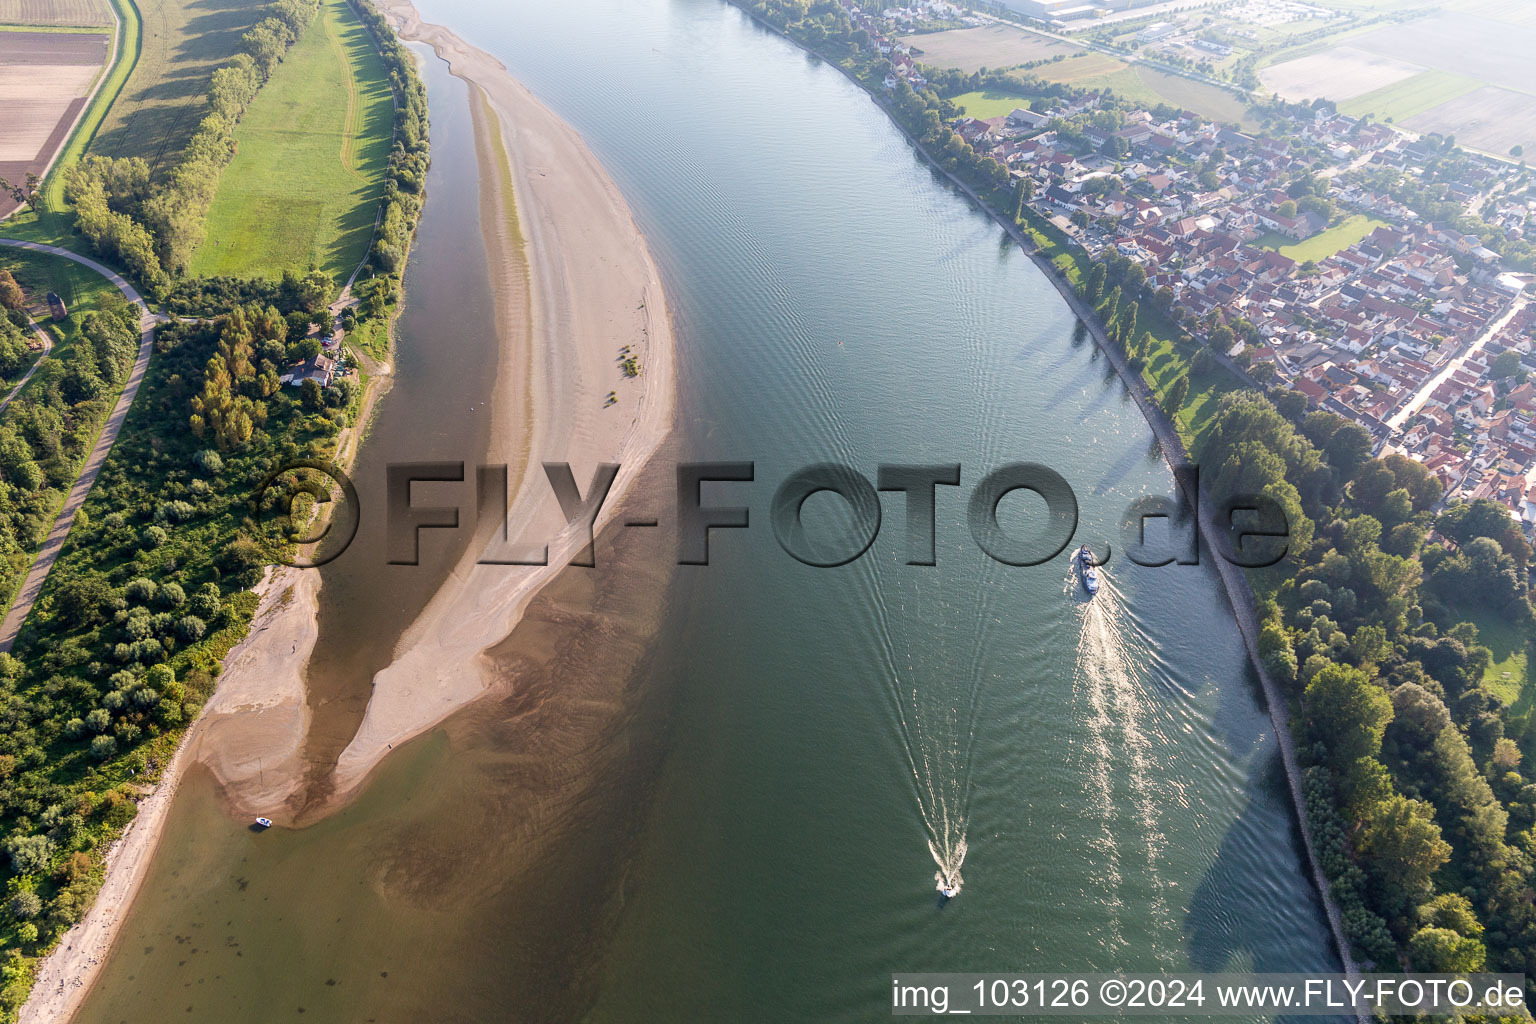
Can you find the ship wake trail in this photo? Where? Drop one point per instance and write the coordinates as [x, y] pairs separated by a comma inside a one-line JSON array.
[[936, 723], [1121, 769]]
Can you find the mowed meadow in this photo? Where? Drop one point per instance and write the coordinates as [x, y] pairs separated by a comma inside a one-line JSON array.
[[305, 185]]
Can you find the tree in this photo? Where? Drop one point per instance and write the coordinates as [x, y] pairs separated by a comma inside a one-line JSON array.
[[10, 292], [1026, 192], [310, 395], [1443, 951], [1348, 449], [1453, 911], [1178, 392], [1506, 365], [1402, 843], [1347, 713], [1287, 209], [24, 194]]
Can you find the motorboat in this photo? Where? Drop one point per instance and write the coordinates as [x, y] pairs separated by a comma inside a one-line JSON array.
[[264, 822], [1084, 561]]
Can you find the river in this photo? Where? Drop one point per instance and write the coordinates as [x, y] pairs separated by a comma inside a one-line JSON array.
[[756, 835]]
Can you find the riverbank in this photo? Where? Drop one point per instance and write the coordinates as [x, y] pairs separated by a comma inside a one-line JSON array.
[[574, 284], [1234, 584]]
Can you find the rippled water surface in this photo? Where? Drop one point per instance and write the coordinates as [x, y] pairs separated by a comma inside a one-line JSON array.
[[815, 745]]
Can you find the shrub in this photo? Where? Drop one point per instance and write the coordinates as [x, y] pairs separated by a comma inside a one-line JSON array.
[[209, 461], [153, 537], [103, 747], [26, 905], [171, 595], [140, 589], [190, 629], [29, 854], [98, 719], [205, 603], [174, 512]]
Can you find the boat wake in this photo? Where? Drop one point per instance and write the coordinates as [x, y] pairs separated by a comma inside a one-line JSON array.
[[937, 727], [1119, 766]]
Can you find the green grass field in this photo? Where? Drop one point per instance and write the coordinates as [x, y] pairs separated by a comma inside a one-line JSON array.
[[1507, 676], [82, 290], [305, 184], [989, 103], [1402, 100], [1144, 85], [1325, 243]]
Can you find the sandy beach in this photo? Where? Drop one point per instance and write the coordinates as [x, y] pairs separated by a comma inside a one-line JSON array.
[[574, 283]]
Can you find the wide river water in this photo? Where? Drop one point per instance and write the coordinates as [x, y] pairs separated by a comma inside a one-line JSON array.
[[806, 746]]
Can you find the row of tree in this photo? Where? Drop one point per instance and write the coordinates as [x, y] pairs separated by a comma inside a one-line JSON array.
[[154, 227], [410, 155]]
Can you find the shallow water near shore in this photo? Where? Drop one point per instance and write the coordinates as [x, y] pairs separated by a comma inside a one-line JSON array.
[[743, 819]]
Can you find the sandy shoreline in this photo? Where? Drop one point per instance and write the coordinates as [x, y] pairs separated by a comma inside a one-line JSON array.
[[288, 603], [574, 282], [592, 288]]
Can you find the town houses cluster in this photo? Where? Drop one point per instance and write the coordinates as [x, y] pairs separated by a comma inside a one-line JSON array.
[[1398, 326]]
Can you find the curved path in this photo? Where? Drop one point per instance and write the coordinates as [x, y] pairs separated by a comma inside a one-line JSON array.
[[47, 340], [49, 552]]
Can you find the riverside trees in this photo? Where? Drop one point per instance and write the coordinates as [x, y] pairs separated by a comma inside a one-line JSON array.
[[1406, 746]]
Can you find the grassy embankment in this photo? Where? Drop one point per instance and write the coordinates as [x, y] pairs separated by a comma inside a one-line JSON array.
[[1168, 358], [305, 185]]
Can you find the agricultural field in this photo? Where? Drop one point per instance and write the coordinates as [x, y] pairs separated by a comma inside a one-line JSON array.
[[305, 185], [1411, 96], [1488, 119], [1337, 73], [1494, 52], [996, 46], [45, 78], [56, 13], [164, 98], [1149, 86], [1463, 69], [1325, 243]]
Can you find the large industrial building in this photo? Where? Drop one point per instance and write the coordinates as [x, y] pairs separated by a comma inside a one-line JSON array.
[[1068, 10]]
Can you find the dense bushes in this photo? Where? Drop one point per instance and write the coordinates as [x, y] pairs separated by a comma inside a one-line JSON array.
[[126, 639]]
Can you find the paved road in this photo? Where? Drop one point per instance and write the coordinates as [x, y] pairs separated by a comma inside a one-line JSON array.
[[47, 340], [1422, 395], [49, 552]]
